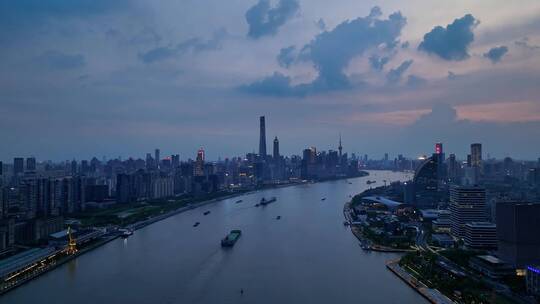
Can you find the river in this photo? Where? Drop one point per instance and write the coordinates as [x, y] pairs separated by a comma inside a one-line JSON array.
[[307, 256]]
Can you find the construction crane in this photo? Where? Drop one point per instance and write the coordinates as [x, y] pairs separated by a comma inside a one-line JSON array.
[[72, 243]]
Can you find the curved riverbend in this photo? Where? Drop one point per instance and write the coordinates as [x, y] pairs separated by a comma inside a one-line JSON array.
[[307, 256]]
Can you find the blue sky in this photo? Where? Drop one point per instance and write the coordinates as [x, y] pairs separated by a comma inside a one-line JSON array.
[[119, 78]]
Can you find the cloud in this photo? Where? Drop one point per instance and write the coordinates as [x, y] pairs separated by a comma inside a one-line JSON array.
[[61, 61], [452, 42], [277, 85], [452, 75], [405, 45], [321, 25], [331, 51], [394, 75], [377, 62], [194, 45], [495, 54], [415, 81], [286, 56], [524, 43], [264, 20]]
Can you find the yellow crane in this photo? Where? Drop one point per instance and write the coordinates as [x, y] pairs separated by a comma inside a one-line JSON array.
[[72, 243]]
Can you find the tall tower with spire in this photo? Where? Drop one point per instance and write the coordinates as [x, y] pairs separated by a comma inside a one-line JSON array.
[[340, 148], [276, 149]]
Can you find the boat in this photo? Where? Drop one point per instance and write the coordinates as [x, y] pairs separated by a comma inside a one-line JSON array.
[[238, 202], [126, 233], [196, 224], [206, 213], [369, 182], [278, 217], [346, 223], [231, 238], [323, 199], [350, 183], [265, 202]]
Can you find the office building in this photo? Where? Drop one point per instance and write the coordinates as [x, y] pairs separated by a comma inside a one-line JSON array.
[[533, 280], [518, 233], [18, 165], [262, 138], [491, 266], [467, 204], [480, 235]]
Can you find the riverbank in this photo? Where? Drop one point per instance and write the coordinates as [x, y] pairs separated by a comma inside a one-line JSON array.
[[50, 263], [367, 244], [432, 295]]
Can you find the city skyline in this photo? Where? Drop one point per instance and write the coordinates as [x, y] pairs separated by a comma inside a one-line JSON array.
[[109, 86]]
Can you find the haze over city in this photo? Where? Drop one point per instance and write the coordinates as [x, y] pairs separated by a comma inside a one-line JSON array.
[[269, 151], [118, 78]]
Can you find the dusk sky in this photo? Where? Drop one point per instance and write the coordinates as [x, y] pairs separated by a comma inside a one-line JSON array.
[[120, 78]]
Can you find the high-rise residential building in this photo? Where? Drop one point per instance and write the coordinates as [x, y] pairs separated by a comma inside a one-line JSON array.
[[30, 164], [198, 169], [175, 160], [262, 138], [467, 204], [276, 149], [157, 158], [18, 165], [476, 155], [149, 161], [453, 168], [518, 227], [73, 167]]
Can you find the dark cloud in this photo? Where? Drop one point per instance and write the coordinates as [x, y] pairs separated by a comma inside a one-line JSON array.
[[61, 61], [377, 62], [331, 51], [394, 75], [286, 56], [524, 43], [452, 75], [495, 54], [452, 42], [191, 45], [415, 81], [264, 20], [277, 85]]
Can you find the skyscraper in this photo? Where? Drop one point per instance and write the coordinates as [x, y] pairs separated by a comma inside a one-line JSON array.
[[198, 170], [476, 155], [157, 158], [18, 165], [262, 138], [518, 224], [31, 164], [340, 148], [467, 204], [276, 149]]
